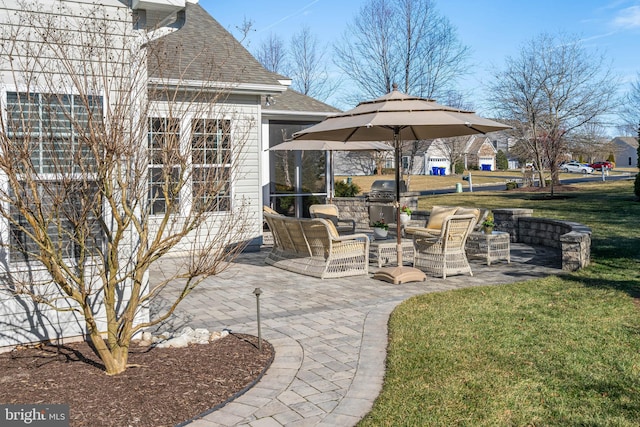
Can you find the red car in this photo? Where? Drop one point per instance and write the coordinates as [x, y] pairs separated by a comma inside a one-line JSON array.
[[599, 165]]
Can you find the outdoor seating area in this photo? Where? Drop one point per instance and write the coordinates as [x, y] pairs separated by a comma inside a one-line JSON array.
[[419, 236], [438, 247]]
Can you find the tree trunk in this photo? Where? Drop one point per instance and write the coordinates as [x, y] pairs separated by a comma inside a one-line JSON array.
[[541, 178], [115, 360]]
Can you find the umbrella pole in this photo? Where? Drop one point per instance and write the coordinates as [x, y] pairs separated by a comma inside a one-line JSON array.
[[396, 144], [329, 176], [399, 274]]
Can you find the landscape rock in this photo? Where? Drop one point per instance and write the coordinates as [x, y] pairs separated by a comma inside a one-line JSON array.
[[187, 336]]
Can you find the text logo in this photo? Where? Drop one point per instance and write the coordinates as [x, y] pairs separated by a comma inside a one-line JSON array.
[[34, 415]]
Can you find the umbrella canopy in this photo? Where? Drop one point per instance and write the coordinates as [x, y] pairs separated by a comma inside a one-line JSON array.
[[398, 117], [315, 145]]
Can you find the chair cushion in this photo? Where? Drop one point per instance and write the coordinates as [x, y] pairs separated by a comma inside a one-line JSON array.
[[438, 214], [325, 209], [332, 228], [331, 218], [466, 211], [268, 210]]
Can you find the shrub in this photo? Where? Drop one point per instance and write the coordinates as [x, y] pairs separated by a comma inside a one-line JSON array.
[[459, 168], [512, 185], [344, 189], [502, 163]]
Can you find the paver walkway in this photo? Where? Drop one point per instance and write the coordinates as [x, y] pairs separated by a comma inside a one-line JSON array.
[[330, 336]]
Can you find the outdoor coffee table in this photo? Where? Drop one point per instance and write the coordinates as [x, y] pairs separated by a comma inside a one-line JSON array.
[[385, 251], [492, 247]]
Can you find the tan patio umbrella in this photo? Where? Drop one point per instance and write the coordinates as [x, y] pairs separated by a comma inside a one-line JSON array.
[[398, 117], [331, 146]]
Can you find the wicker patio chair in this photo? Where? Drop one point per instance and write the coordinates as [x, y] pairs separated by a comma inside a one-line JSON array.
[[438, 214], [445, 254], [330, 212], [313, 247]]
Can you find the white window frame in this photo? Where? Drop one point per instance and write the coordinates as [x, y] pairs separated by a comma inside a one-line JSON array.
[[220, 152], [185, 134], [44, 176]]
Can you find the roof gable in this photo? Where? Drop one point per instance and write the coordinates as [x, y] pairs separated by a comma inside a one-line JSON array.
[[202, 50], [626, 140], [476, 142]]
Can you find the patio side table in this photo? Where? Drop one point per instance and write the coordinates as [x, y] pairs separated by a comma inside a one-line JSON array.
[[492, 247], [385, 251]]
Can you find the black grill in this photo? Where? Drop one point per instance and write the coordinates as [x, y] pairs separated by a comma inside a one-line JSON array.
[[381, 198], [384, 191]]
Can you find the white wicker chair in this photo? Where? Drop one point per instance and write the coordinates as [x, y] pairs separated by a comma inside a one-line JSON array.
[[445, 254], [330, 212]]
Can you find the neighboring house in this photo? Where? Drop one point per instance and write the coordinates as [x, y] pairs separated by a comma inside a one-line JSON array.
[[476, 151], [436, 158], [480, 153], [626, 151], [504, 141], [210, 61]]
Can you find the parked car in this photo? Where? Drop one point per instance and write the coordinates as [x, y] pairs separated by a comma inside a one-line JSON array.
[[599, 165], [574, 166]]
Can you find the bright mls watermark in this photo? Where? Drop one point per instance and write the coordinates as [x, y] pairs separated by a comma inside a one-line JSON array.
[[34, 415]]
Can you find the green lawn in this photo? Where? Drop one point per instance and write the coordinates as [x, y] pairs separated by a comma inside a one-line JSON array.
[[428, 182], [562, 351]]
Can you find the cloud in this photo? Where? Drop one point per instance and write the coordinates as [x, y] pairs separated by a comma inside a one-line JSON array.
[[597, 36], [302, 11], [628, 18]]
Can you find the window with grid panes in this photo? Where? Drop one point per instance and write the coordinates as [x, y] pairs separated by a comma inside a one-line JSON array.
[[211, 163], [54, 129], [164, 164]]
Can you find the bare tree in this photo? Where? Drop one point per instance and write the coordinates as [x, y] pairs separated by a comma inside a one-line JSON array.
[[631, 108], [401, 41], [453, 149], [103, 173], [591, 143], [272, 54], [407, 42], [308, 66], [550, 91]]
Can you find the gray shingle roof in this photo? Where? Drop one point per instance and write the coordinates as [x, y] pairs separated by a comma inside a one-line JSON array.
[[203, 50], [296, 101], [629, 140], [476, 143]]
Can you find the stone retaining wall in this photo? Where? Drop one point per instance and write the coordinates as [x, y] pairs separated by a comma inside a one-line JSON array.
[[572, 238], [357, 208]]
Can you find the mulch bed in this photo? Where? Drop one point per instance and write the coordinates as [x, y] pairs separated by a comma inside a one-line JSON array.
[[561, 192], [163, 386]]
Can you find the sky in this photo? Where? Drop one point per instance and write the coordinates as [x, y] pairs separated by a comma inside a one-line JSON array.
[[492, 29]]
